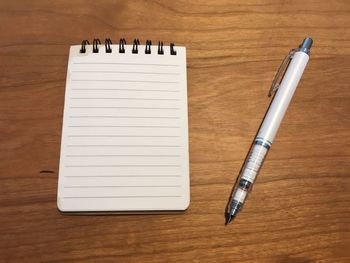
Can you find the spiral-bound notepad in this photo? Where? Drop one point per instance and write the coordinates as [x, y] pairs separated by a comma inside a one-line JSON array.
[[124, 141]]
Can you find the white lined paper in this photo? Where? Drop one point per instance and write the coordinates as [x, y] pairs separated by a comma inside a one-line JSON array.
[[125, 132]]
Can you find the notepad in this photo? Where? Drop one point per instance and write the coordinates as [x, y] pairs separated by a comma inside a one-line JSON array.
[[124, 141]]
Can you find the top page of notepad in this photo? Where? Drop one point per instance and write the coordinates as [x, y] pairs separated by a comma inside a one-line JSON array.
[[125, 132]]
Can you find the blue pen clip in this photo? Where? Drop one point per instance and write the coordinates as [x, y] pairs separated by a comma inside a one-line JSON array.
[[282, 69]]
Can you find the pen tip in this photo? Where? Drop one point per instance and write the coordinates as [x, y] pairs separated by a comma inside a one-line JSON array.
[[229, 218]]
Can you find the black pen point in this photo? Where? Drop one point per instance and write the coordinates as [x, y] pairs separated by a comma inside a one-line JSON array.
[[232, 212], [228, 219]]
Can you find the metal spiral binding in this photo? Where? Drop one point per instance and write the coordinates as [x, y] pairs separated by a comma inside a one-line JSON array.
[[83, 46], [172, 50], [122, 43], [108, 43], [160, 48], [135, 46], [148, 47], [95, 45]]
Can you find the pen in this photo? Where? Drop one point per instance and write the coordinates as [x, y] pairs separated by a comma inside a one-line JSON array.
[[292, 68]]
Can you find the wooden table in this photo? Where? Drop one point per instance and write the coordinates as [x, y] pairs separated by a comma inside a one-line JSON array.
[[299, 210]]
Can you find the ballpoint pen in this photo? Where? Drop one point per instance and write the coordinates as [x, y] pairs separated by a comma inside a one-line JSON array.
[[292, 67]]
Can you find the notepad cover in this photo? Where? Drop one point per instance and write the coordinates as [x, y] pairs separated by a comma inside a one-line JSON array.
[[124, 141]]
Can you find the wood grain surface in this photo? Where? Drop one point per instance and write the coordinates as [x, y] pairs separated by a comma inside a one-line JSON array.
[[299, 210]]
